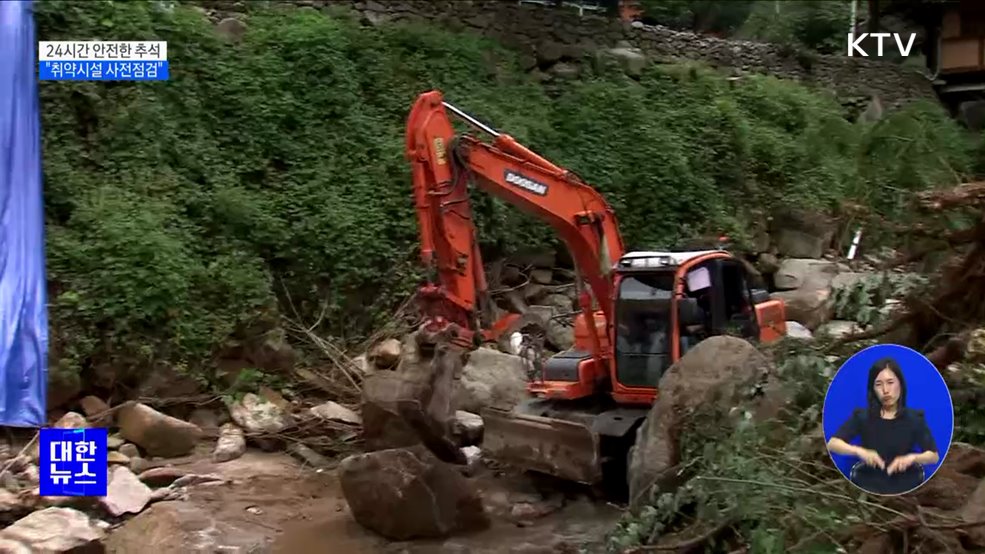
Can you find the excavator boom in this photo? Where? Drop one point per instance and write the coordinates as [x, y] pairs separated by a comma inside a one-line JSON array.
[[442, 166]]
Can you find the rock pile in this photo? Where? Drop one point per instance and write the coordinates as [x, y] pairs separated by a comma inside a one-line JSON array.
[[64, 524], [487, 378], [146, 446], [794, 258]]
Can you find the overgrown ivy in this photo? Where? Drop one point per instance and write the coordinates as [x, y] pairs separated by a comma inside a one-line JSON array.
[[269, 173]]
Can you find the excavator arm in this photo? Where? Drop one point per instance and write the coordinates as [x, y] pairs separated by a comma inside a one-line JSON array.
[[443, 164]]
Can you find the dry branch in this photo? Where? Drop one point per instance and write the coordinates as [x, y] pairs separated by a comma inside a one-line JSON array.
[[686, 545], [963, 195]]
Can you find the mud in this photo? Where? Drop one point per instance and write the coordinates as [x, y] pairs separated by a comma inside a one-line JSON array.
[[294, 509]]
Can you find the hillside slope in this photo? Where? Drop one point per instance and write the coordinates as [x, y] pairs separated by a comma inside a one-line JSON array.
[[269, 171]]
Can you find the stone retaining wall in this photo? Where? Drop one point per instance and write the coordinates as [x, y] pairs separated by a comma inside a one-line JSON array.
[[547, 36]]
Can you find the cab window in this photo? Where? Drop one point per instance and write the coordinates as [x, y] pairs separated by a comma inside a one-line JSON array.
[[643, 328]]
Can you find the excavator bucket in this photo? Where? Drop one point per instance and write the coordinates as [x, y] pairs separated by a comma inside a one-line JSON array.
[[558, 447]]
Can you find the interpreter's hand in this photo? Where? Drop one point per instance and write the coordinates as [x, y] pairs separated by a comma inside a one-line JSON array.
[[871, 458], [901, 464]]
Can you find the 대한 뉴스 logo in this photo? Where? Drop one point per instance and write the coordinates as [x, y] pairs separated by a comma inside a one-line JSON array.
[[525, 183], [73, 462], [103, 60]]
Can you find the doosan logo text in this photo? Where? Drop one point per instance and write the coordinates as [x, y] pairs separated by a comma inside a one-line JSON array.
[[525, 183], [854, 43]]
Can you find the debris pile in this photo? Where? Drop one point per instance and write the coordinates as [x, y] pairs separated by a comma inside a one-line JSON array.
[[146, 449]]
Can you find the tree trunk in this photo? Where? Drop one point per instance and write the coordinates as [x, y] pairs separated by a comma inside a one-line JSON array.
[[873, 23]]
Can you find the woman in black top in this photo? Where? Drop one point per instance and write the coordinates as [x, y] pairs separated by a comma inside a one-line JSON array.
[[889, 432]]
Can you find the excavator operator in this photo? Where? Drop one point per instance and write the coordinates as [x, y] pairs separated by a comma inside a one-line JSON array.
[[646, 342], [648, 338], [655, 336]]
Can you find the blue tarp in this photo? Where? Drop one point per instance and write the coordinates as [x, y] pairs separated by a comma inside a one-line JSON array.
[[23, 311]]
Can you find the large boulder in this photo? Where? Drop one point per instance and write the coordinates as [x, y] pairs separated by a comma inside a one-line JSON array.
[[259, 415], [795, 273], [809, 307], [383, 427], [125, 493], [158, 434], [491, 379], [800, 233], [178, 528], [413, 402], [716, 375], [54, 530], [405, 494]]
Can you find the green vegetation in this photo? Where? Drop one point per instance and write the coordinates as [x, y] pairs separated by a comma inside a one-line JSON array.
[[819, 26], [865, 301], [769, 486], [770, 481], [269, 173]]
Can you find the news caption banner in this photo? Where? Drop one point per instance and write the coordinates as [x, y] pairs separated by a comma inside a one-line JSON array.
[[103, 60], [73, 462]]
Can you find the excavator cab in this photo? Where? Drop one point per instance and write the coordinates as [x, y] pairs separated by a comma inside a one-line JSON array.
[[665, 303]]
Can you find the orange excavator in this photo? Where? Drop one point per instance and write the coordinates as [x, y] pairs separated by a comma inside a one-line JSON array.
[[640, 311]]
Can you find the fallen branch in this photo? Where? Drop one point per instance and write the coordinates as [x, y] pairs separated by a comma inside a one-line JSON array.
[[686, 545], [812, 491], [10, 462], [195, 400], [333, 353], [963, 195], [875, 332]]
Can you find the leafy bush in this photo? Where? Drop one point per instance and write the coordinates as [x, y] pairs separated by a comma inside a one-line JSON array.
[[268, 174], [819, 26], [865, 301], [716, 16]]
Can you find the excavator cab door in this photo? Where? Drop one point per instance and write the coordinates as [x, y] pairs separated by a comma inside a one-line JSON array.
[[718, 300], [737, 302], [643, 332]]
